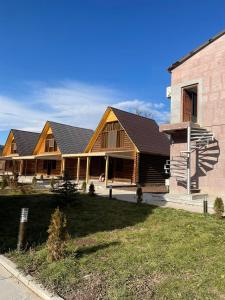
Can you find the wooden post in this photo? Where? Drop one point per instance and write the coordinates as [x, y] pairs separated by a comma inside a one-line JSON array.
[[88, 169], [106, 169], [36, 164], [21, 167], [63, 167], [78, 169]]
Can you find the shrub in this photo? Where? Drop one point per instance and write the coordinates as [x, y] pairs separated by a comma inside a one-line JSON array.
[[219, 207], [52, 183], [67, 191], [84, 186], [34, 181], [91, 191], [4, 182], [57, 235], [139, 194]]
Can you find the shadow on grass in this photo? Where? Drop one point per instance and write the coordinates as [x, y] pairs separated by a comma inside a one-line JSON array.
[[86, 216], [89, 250]]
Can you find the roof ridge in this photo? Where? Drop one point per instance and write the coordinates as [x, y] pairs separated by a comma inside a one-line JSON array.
[[131, 113], [14, 129], [195, 50], [69, 125]]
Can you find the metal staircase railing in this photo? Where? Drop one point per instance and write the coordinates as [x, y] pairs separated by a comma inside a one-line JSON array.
[[180, 166]]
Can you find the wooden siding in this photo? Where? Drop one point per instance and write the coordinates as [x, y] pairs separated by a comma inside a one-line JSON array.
[[151, 169], [71, 167], [119, 169], [42, 171], [127, 144], [28, 167]]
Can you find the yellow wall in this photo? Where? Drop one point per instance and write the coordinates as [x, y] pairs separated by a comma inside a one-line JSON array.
[[40, 147], [7, 148]]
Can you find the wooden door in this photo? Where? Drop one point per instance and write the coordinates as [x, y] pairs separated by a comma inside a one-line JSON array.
[[187, 106]]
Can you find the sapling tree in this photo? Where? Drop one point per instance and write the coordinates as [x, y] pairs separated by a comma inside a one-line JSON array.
[[84, 186], [139, 194], [91, 191], [57, 236], [219, 207]]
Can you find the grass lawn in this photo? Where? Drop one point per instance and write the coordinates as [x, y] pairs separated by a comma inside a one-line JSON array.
[[119, 250]]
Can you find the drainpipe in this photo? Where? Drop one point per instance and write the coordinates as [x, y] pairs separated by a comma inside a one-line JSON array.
[[189, 159]]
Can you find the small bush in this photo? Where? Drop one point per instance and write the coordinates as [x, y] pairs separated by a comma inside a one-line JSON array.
[[139, 194], [52, 183], [57, 236], [4, 182], [67, 192], [91, 191], [84, 186], [34, 181], [219, 207]]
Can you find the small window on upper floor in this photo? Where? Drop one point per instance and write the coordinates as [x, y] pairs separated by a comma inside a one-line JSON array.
[[190, 103], [13, 147], [50, 144]]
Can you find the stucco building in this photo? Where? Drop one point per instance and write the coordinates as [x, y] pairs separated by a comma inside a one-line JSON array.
[[197, 127]]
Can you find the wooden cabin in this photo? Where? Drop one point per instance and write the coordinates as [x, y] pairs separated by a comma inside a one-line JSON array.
[[18, 144], [125, 147], [54, 141]]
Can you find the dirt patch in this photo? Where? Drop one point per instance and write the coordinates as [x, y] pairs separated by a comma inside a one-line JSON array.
[[144, 287], [85, 242], [92, 287]]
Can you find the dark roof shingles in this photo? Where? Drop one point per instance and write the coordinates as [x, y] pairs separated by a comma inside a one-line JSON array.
[[70, 139], [144, 133], [25, 141]]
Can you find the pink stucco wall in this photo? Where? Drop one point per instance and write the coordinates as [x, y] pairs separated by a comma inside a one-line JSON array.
[[208, 65]]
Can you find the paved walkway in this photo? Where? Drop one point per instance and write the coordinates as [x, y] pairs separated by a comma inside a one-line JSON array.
[[148, 198], [11, 289]]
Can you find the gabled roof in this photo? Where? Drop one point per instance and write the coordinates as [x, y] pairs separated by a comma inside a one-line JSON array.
[[70, 139], [25, 141], [143, 132], [196, 50]]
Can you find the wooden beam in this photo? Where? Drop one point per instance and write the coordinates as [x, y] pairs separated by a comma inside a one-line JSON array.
[[78, 169], [106, 169], [63, 167], [88, 169], [21, 167]]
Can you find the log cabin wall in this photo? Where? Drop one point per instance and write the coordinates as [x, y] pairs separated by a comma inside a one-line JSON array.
[[41, 170], [71, 167], [151, 169], [126, 144], [29, 167], [83, 163], [122, 169]]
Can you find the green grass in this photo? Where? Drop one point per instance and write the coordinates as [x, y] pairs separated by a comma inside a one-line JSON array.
[[121, 250]]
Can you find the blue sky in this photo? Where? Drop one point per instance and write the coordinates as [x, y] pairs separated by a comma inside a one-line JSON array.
[[67, 60]]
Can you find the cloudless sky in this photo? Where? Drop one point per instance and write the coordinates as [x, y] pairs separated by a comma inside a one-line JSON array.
[[118, 44]]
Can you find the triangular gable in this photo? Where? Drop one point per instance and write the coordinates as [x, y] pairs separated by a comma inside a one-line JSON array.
[[40, 146], [109, 116], [7, 147]]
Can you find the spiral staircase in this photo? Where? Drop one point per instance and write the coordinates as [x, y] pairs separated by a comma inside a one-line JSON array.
[[179, 166]]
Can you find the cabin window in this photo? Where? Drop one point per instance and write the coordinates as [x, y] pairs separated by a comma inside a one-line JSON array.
[[112, 136], [13, 147], [50, 144], [190, 101]]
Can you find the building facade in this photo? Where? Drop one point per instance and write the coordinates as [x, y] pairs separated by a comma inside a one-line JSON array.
[[197, 127]]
